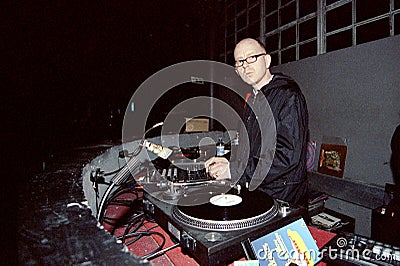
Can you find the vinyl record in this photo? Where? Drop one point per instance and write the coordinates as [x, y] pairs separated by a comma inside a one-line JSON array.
[[226, 207]]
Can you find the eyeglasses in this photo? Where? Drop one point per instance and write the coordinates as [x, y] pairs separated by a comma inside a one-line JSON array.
[[249, 60]]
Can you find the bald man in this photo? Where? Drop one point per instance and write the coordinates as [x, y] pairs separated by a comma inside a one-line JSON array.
[[287, 176]]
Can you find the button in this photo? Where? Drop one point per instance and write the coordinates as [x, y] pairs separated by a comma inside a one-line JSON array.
[[213, 236], [377, 249], [188, 241]]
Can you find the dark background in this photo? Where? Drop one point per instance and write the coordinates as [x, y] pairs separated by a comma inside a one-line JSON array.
[[69, 68], [72, 66]]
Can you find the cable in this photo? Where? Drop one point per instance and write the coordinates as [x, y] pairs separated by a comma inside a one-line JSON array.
[[161, 252], [124, 173], [130, 155], [131, 231], [113, 199], [140, 234], [114, 172], [138, 221], [118, 179], [103, 200]]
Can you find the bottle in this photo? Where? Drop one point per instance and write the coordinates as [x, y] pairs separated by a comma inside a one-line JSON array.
[[220, 152], [234, 146], [235, 140]]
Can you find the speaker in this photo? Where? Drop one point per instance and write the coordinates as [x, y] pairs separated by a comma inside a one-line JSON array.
[[385, 224]]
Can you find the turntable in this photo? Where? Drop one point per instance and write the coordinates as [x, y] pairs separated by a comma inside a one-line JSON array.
[[212, 222], [225, 211]]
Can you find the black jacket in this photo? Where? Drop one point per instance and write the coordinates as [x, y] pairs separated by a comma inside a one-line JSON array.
[[287, 175]]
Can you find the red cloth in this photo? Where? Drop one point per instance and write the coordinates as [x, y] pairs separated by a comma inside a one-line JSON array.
[[321, 237]]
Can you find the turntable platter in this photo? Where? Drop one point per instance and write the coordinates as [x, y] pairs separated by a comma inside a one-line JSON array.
[[226, 211]]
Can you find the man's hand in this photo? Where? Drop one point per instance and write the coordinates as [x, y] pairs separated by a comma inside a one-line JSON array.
[[218, 168]]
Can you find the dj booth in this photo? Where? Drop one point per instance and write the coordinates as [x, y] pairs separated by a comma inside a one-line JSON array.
[[146, 214], [214, 222]]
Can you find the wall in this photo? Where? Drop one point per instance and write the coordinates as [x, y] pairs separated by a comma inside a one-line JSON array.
[[354, 93]]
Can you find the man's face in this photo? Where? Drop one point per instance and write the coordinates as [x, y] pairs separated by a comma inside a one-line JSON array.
[[254, 73]]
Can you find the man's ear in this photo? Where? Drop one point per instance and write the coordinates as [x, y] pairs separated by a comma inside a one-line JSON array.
[[268, 60]]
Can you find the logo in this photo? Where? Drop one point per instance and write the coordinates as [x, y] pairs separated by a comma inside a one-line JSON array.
[[341, 242], [145, 98]]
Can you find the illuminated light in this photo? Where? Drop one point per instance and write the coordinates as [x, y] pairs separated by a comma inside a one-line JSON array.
[[132, 106]]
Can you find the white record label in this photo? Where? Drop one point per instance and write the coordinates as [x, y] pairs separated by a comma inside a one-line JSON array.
[[225, 200]]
